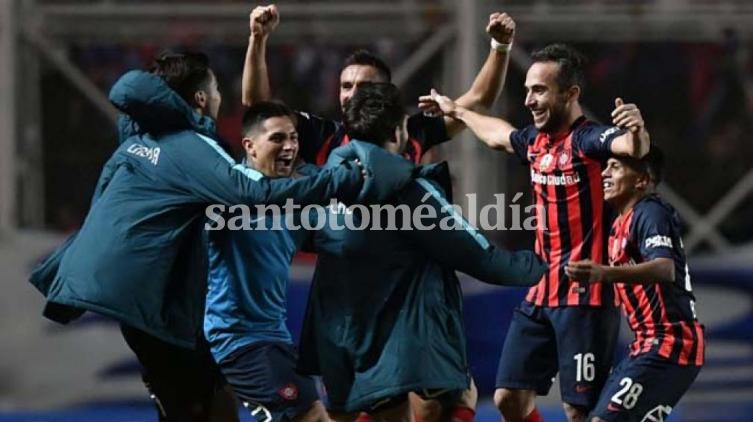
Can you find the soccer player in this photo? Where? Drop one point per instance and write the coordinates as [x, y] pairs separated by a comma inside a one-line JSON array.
[[139, 255], [562, 325], [649, 272], [320, 136], [384, 318], [248, 280]]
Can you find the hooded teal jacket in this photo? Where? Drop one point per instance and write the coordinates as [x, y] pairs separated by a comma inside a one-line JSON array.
[[384, 315], [140, 255]]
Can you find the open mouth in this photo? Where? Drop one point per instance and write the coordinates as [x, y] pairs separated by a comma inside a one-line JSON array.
[[284, 165], [285, 161], [607, 184]]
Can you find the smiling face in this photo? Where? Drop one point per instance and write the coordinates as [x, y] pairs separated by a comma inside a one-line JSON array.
[[549, 103], [272, 148], [623, 183]]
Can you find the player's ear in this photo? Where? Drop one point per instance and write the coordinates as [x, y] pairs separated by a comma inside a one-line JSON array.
[[200, 98], [248, 146], [643, 182], [573, 93]]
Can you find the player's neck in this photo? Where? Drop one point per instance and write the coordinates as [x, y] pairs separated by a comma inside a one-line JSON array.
[[573, 115], [629, 203]]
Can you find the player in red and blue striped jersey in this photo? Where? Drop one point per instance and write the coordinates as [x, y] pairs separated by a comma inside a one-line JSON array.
[[319, 136], [562, 326], [650, 275]]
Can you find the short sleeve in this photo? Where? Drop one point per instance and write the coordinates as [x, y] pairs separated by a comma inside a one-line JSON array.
[[520, 140], [427, 131], [655, 233], [314, 134], [595, 140]]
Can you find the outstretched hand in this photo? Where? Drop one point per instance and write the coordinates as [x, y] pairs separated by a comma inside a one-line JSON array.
[[436, 104], [585, 271], [263, 20]]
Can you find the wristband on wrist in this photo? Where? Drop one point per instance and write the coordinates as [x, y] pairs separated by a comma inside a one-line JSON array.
[[504, 48]]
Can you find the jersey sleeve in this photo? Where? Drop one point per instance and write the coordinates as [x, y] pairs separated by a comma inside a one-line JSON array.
[[314, 134], [520, 140], [447, 238], [427, 131], [595, 140], [655, 233]]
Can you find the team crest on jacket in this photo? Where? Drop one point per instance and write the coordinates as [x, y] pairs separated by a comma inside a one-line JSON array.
[[289, 392]]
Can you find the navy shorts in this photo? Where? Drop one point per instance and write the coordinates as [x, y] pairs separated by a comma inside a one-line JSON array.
[[264, 378], [644, 388], [577, 342]]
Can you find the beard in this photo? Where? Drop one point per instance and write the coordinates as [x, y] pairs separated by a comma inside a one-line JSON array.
[[557, 117]]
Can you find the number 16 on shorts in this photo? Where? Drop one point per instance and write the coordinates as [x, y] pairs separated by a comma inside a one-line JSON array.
[[585, 370]]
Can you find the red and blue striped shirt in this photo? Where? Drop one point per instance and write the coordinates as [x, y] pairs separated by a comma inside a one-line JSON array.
[[661, 315], [572, 218]]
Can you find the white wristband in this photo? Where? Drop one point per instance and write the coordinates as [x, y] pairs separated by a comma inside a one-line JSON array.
[[504, 48]]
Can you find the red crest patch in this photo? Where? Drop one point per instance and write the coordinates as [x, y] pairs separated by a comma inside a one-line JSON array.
[[288, 392]]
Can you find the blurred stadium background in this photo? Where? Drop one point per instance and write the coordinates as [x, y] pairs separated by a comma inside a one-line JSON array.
[[688, 64]]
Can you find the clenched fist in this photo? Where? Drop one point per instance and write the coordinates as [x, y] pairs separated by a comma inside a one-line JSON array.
[[501, 27], [263, 20]]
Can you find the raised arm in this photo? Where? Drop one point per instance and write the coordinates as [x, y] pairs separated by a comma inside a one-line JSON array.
[[492, 131], [635, 142], [255, 82], [490, 79]]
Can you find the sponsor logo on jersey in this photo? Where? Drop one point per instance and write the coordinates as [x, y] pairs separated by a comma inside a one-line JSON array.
[[550, 179], [151, 154], [604, 135], [659, 241]]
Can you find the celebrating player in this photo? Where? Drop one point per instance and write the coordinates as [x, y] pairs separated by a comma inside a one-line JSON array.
[[561, 325], [650, 274], [385, 319], [320, 136], [139, 257], [248, 280]]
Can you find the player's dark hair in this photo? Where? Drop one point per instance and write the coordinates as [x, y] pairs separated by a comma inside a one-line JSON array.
[[373, 112], [654, 164], [571, 64], [185, 73], [255, 115], [367, 58]]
